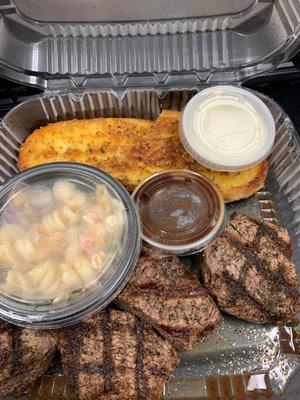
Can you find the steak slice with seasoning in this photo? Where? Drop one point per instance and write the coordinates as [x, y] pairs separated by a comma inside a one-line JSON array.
[[25, 355], [250, 273], [115, 355], [164, 293]]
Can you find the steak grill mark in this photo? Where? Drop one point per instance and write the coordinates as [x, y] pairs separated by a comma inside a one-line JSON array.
[[239, 286], [93, 368], [107, 352], [169, 294], [141, 385], [278, 275], [254, 244], [16, 353], [264, 230], [248, 251], [239, 289], [74, 343]]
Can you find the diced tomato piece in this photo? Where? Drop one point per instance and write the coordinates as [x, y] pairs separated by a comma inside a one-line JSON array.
[[85, 242], [93, 216]]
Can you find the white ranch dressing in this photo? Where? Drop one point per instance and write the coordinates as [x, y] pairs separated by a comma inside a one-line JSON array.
[[227, 128]]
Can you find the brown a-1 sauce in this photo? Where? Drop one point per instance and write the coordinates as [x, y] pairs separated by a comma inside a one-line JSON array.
[[178, 207]]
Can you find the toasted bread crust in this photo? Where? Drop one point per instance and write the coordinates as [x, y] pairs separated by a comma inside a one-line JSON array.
[[131, 150], [238, 185]]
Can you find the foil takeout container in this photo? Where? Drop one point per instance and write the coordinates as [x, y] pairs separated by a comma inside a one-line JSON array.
[[238, 358]]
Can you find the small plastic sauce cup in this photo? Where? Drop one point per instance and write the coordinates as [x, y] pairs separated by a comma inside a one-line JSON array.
[[181, 212], [227, 128]]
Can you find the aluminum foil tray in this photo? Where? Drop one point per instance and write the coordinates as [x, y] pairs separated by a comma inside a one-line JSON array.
[[239, 359]]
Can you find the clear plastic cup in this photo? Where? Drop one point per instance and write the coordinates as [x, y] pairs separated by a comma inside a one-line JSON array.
[[181, 212], [39, 289], [227, 128]]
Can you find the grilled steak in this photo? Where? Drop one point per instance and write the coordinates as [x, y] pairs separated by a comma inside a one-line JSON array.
[[114, 355], [249, 271], [25, 355], [162, 292]]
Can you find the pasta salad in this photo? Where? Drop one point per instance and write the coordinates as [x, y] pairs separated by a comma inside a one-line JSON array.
[[56, 240]]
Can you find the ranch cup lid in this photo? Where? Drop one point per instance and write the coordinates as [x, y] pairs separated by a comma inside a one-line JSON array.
[[226, 128]]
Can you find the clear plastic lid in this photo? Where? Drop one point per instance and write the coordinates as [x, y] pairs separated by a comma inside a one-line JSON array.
[[226, 128], [180, 211], [62, 44], [69, 236]]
